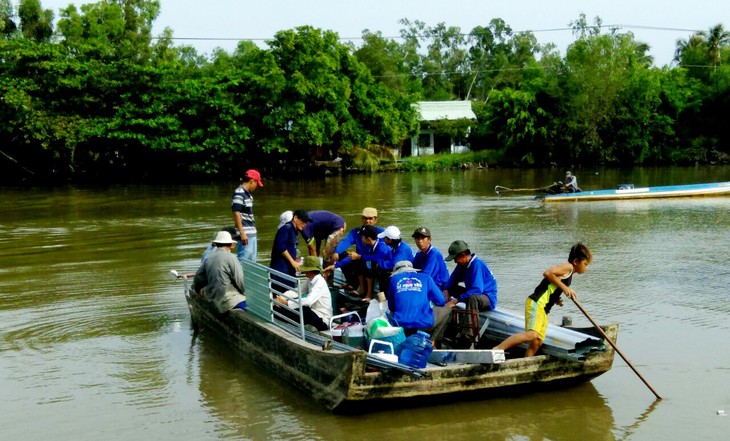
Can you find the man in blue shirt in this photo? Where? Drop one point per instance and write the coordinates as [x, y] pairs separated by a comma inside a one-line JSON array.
[[480, 287], [354, 271], [284, 249], [399, 251], [429, 259], [326, 227], [373, 254], [409, 301]]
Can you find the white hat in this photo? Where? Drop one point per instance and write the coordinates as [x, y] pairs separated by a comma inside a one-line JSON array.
[[223, 237], [392, 232], [285, 218]]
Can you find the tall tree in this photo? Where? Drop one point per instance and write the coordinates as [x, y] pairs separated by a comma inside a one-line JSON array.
[[7, 24], [36, 23]]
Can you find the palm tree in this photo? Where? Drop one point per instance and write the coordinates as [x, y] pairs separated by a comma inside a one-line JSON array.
[[716, 38], [694, 41]]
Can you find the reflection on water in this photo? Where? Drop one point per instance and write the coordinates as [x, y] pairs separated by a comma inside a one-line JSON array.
[[95, 340], [252, 403]]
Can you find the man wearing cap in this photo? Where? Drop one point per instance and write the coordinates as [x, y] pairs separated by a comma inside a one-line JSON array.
[[409, 301], [284, 249], [242, 207], [571, 183], [429, 259], [480, 288], [354, 270], [316, 299], [399, 251], [220, 278], [374, 252]]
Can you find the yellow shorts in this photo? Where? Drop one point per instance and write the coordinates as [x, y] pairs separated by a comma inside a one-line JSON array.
[[535, 318]]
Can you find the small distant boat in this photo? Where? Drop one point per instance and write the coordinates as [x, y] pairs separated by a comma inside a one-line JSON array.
[[629, 191]]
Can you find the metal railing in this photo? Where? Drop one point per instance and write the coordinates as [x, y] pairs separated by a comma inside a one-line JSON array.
[[262, 284]]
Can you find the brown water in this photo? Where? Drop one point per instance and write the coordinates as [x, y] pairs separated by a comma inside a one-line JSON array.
[[95, 339]]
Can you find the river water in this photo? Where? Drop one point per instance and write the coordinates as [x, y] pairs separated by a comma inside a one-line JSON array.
[[95, 338]]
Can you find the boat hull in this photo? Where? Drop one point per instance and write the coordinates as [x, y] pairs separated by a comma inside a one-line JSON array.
[[669, 191], [342, 381]]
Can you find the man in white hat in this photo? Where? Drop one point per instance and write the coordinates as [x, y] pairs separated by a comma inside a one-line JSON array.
[[220, 277], [400, 251]]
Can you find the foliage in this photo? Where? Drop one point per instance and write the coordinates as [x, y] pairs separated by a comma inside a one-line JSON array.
[[97, 97], [450, 161]]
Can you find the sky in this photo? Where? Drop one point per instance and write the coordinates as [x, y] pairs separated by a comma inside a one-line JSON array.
[[659, 23]]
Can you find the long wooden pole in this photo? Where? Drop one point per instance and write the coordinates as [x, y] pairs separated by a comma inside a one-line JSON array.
[[608, 339]]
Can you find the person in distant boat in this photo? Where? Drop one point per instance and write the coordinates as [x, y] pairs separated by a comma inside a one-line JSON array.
[[471, 282], [429, 259], [355, 270], [211, 248], [326, 227], [220, 278], [409, 301], [571, 183], [242, 207], [316, 299], [284, 249], [556, 280]]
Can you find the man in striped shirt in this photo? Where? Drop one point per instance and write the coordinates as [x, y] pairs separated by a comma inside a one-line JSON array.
[[242, 207]]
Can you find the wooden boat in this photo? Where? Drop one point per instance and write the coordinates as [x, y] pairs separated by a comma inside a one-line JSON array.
[[346, 379], [628, 191]]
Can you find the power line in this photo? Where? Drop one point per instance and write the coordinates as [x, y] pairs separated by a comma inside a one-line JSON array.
[[400, 37]]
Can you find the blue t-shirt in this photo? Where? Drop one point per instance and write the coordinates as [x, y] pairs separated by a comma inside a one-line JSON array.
[[431, 262], [477, 278], [408, 299], [378, 254], [353, 238], [322, 225], [402, 252], [285, 240]]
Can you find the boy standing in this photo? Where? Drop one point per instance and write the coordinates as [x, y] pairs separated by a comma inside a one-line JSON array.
[[556, 280]]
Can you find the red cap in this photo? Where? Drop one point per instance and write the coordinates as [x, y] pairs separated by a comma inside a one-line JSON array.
[[255, 175]]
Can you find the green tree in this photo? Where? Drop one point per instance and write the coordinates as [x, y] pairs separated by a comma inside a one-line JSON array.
[[329, 101], [7, 24], [36, 23], [598, 67], [122, 27], [386, 60]]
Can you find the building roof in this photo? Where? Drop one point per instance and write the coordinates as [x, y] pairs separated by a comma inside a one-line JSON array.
[[449, 110]]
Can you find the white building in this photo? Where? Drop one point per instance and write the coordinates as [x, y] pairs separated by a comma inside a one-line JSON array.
[[428, 143]]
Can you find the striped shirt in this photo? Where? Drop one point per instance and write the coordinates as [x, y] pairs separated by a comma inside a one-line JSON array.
[[242, 203]]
